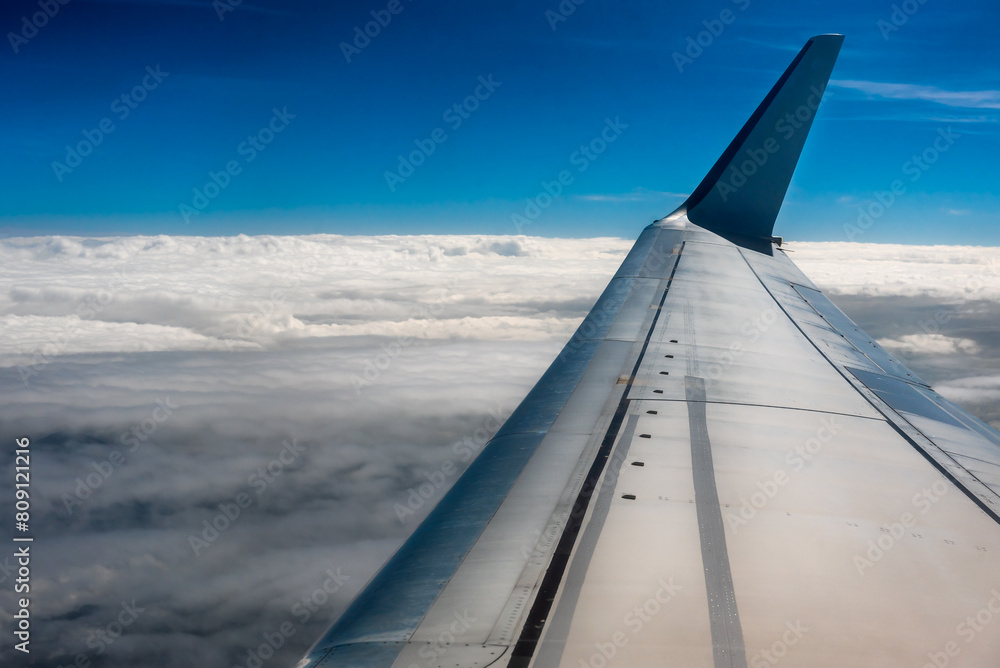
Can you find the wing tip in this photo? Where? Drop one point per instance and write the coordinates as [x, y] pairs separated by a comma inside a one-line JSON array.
[[745, 188]]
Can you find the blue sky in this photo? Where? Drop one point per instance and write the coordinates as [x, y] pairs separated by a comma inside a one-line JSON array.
[[309, 128]]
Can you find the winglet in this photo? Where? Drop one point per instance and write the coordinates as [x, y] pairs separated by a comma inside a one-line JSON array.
[[742, 193]]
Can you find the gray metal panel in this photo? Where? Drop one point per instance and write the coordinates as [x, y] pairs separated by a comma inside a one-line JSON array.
[[635, 311], [963, 416], [864, 344], [894, 393], [363, 655], [747, 349], [538, 410], [978, 455], [632, 266], [904, 397], [583, 409], [653, 253], [805, 491], [630, 546], [988, 473]]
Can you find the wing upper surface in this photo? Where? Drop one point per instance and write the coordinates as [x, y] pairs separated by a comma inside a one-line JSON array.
[[719, 469], [754, 518]]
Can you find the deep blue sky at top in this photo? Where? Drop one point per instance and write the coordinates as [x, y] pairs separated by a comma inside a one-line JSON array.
[[325, 171]]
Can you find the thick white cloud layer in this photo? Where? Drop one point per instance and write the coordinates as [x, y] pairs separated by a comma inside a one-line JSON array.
[[889, 270], [930, 344], [164, 379], [131, 294]]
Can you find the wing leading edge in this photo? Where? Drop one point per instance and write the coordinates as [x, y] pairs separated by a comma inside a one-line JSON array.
[[719, 469]]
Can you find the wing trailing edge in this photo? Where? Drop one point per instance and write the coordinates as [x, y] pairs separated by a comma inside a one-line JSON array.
[[740, 196]]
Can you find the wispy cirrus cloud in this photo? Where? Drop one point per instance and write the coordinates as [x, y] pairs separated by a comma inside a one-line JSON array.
[[967, 99], [639, 195]]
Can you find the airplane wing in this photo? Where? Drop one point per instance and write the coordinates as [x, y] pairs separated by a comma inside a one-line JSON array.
[[719, 469]]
